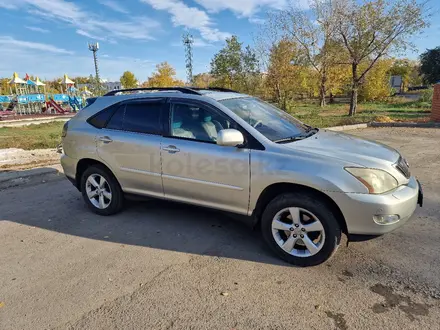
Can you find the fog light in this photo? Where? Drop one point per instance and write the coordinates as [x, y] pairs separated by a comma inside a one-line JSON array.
[[386, 219]]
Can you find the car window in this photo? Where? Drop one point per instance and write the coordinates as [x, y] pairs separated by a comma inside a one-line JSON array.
[[140, 117], [117, 118], [100, 119], [270, 121], [196, 122]]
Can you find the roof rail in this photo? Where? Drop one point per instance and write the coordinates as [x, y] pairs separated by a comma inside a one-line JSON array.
[[184, 90], [219, 89]]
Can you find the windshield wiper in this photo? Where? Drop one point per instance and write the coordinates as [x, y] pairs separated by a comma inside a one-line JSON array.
[[290, 139]]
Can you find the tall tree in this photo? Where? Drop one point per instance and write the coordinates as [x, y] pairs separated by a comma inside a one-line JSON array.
[[128, 80], [314, 31], [235, 67], [430, 65], [285, 75], [370, 29], [165, 76]]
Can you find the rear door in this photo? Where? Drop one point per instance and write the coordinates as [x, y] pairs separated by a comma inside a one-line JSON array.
[[130, 145]]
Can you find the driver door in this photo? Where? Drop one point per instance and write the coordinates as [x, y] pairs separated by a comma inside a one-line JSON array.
[[197, 170]]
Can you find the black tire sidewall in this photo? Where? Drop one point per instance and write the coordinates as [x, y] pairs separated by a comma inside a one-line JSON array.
[[117, 196], [319, 209]]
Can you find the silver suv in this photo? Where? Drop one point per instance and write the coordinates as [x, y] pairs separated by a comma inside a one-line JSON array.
[[232, 152]]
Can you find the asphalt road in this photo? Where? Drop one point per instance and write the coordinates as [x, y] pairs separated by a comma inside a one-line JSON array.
[[161, 265]]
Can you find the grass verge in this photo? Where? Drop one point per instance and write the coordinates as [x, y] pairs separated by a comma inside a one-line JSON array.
[[31, 137]]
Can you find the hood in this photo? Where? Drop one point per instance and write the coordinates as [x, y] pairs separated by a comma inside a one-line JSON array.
[[347, 148]]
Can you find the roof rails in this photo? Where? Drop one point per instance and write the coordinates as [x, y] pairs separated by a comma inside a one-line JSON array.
[[184, 90], [219, 89]]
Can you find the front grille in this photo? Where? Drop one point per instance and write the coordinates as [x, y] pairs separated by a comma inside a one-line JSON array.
[[403, 167]]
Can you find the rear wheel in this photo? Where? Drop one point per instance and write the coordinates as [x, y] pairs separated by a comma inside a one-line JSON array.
[[300, 229], [101, 191]]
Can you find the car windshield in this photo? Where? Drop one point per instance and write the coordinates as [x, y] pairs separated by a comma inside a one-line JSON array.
[[270, 121]]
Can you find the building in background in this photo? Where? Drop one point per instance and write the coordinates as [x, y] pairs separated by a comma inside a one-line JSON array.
[[396, 83], [107, 85]]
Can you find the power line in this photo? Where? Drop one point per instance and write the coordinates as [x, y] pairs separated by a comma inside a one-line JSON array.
[[188, 40]]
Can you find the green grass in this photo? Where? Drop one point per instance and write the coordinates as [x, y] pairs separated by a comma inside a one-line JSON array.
[[398, 109], [31, 137]]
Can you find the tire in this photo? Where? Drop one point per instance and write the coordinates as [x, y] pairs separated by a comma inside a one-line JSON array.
[[110, 205], [280, 231]]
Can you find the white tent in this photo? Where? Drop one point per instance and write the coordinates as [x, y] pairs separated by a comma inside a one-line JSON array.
[[67, 81], [16, 79], [38, 82]]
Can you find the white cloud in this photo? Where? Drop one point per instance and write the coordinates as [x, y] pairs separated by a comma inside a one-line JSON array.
[[7, 4], [88, 35], [189, 17], [256, 20], [114, 5], [7, 41], [54, 65], [37, 29], [247, 7], [139, 28]]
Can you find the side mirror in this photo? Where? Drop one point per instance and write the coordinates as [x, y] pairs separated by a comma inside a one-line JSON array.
[[229, 137]]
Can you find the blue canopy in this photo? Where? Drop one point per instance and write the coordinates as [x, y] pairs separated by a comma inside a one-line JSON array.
[[5, 99], [61, 97], [36, 97], [31, 83]]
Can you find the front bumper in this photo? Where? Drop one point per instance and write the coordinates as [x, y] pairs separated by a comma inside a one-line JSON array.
[[359, 209]]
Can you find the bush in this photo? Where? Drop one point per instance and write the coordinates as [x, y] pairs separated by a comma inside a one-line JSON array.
[[426, 95]]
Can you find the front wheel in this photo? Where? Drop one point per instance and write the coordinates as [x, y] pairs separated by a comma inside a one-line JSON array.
[[300, 229]]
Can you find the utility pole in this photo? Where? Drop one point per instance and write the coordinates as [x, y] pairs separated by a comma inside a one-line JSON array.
[[93, 47], [187, 43]]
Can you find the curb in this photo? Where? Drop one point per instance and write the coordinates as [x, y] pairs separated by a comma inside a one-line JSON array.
[[20, 175], [399, 124], [26, 122], [347, 127], [377, 125]]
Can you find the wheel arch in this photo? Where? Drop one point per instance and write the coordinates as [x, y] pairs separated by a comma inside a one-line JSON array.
[[276, 189], [85, 163]]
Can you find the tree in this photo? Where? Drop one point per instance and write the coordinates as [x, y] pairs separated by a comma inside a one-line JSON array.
[[233, 67], [285, 76], [165, 76], [81, 80], [370, 29], [128, 80], [430, 65], [203, 80], [377, 83], [314, 31], [4, 86]]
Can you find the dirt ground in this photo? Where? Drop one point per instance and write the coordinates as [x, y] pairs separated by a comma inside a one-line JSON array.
[[160, 265], [19, 159]]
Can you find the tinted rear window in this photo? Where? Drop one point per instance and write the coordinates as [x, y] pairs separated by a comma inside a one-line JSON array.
[[100, 119], [143, 117]]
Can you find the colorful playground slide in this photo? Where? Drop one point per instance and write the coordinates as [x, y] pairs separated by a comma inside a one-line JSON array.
[[51, 104], [73, 101]]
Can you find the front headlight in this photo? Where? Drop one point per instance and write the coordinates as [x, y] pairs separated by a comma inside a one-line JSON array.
[[376, 181]]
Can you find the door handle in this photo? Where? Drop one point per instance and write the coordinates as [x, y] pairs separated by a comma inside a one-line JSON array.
[[105, 139], [171, 149]]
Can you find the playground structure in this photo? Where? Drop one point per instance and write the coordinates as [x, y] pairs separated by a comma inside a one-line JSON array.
[[28, 97]]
